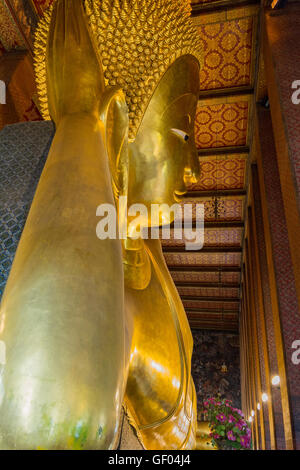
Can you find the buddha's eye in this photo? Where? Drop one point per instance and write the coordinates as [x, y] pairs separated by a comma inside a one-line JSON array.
[[183, 135]]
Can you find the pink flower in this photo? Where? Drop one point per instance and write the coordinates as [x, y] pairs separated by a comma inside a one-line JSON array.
[[231, 419], [240, 424], [222, 418], [216, 436], [245, 442], [238, 412], [206, 404], [231, 436]]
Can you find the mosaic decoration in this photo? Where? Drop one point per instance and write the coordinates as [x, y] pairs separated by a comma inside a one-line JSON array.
[[205, 277], [212, 305], [281, 251], [227, 50], [221, 172], [42, 5], [23, 151], [212, 237], [26, 17], [20, 93], [211, 350], [223, 236], [200, 259], [221, 125], [10, 36]]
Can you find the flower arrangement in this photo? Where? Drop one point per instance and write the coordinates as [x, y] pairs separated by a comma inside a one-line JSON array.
[[229, 429]]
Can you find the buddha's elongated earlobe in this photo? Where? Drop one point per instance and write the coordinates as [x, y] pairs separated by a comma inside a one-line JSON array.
[[114, 115]]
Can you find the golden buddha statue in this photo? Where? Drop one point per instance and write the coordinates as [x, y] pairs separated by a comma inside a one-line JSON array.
[[62, 316], [73, 340], [162, 98], [160, 393]]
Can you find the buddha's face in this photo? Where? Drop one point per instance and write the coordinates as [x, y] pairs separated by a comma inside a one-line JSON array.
[[163, 157]]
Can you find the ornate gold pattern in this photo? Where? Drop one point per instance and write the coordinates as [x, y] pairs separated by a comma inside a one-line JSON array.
[[136, 49]]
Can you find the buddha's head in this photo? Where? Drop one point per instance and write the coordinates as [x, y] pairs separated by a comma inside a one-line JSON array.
[[151, 50], [148, 51]]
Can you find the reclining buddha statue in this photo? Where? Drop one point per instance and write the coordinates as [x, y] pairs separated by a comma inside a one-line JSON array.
[[89, 324]]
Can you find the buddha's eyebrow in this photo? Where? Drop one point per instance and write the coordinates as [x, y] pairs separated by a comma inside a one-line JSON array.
[[180, 133]]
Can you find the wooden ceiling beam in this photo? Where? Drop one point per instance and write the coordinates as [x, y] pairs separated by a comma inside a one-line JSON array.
[[207, 249], [216, 224], [233, 327], [208, 269], [218, 5], [196, 298], [225, 92], [207, 152], [200, 311], [208, 284], [216, 192]]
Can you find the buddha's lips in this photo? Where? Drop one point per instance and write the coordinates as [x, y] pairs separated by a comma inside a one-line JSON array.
[[179, 195]]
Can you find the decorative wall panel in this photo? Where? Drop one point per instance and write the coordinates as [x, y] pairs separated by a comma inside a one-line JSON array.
[[221, 125], [227, 48], [230, 208], [206, 259], [212, 237], [221, 172]]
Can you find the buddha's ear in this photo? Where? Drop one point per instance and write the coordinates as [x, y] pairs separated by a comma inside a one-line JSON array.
[[114, 115]]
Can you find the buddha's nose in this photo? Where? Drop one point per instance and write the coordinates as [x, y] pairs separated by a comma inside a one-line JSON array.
[[192, 170]]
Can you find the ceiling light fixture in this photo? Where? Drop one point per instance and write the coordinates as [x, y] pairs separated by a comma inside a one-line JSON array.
[[276, 380], [264, 397]]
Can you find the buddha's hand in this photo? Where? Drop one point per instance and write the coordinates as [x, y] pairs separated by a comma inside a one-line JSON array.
[[74, 75]]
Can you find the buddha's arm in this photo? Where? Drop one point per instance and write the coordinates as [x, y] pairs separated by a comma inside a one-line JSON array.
[[62, 318]]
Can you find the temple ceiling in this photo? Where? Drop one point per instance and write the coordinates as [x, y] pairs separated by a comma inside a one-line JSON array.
[[208, 281]]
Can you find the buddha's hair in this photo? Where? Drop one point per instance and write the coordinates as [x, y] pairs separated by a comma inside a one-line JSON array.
[[137, 40]]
